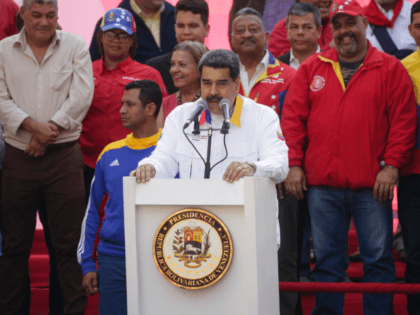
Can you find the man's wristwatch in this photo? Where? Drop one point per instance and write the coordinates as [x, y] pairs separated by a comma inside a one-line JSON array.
[[254, 167]]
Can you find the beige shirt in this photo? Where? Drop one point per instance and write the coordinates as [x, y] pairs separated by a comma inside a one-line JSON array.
[[60, 89], [153, 23], [248, 84]]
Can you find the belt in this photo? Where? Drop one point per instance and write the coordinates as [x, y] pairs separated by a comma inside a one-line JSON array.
[[61, 146]]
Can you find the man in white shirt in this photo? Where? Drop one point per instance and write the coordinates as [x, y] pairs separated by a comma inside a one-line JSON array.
[[255, 142], [388, 27], [46, 86], [304, 29]]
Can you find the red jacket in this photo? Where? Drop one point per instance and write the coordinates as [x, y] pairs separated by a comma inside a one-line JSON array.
[[8, 12], [278, 44], [348, 131], [271, 87], [102, 124]]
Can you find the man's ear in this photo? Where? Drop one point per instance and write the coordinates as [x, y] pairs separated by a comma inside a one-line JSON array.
[[151, 109]]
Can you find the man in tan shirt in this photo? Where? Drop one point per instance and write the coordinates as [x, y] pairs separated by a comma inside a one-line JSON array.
[[46, 87]]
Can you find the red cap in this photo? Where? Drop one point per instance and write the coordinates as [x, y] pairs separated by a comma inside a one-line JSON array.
[[349, 7]]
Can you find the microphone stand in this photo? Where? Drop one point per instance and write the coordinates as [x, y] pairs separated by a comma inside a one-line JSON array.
[[207, 167]]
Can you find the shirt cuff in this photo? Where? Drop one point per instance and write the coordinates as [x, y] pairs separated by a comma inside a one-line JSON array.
[[62, 120], [14, 123], [88, 265]]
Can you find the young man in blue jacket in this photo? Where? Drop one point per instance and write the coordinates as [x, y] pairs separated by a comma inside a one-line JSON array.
[[140, 105]]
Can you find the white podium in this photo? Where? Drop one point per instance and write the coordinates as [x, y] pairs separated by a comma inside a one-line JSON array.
[[246, 207]]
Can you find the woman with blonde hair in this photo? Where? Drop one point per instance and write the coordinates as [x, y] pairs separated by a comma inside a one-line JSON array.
[[184, 72]]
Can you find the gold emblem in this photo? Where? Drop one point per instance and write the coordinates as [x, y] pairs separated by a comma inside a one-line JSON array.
[[111, 17], [334, 7], [192, 249]]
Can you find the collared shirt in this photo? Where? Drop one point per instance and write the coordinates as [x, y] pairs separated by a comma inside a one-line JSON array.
[[262, 66], [294, 62], [153, 23], [399, 33], [102, 124], [59, 89], [254, 136]]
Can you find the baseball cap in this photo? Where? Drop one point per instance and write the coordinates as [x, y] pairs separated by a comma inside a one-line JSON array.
[[349, 7], [118, 18]]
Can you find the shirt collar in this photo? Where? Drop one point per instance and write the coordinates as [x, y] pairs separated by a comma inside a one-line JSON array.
[[21, 39], [124, 66], [235, 116], [140, 13], [143, 143], [292, 57], [263, 63]]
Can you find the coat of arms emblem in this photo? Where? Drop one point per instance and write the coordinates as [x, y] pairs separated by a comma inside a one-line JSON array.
[[192, 249]]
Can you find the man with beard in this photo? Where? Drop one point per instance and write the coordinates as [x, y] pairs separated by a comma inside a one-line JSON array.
[[279, 43], [349, 120], [255, 142], [388, 27]]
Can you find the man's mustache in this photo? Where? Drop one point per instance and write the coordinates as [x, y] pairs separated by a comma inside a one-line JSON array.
[[213, 98]]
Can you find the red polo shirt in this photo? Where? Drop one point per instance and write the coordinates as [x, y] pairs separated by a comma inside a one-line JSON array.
[[102, 124]]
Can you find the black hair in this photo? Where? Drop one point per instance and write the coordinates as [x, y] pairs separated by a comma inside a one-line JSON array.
[[414, 9], [250, 11], [195, 6], [303, 8], [149, 93], [219, 59]]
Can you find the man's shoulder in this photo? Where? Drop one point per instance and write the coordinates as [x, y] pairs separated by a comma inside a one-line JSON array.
[[169, 8], [250, 107], [412, 62], [70, 38], [9, 41], [158, 61], [112, 147]]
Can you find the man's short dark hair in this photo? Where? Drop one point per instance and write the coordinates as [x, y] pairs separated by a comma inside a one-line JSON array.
[[414, 9], [219, 59], [149, 93], [250, 11], [195, 6], [303, 8]]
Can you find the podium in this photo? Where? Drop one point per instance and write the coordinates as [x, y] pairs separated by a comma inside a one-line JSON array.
[[248, 210]]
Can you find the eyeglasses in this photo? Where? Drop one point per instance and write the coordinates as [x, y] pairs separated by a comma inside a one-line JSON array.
[[122, 37]]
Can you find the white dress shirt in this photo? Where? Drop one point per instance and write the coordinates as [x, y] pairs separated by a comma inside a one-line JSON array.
[[59, 89], [254, 136], [294, 62], [399, 33], [248, 84]]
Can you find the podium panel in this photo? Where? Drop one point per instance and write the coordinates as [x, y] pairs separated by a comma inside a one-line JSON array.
[[246, 207]]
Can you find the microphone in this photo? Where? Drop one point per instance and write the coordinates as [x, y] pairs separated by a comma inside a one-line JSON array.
[[224, 104], [201, 106]]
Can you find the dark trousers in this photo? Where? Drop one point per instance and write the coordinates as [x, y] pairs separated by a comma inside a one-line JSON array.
[[58, 177], [291, 218], [409, 216]]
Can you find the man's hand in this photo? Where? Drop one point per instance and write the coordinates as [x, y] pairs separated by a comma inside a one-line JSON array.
[[35, 149], [295, 182], [44, 133], [384, 184], [90, 282], [281, 190], [144, 173], [237, 170]]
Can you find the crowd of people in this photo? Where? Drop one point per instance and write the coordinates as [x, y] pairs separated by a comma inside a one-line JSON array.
[[326, 105]]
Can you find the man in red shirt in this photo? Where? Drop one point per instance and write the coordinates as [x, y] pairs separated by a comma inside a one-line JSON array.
[[278, 43], [349, 121], [8, 12]]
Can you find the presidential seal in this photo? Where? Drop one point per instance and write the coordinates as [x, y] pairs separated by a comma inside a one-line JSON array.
[[192, 249]]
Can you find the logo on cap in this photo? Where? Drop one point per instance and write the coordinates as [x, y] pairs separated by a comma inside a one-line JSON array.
[[111, 17], [334, 7]]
